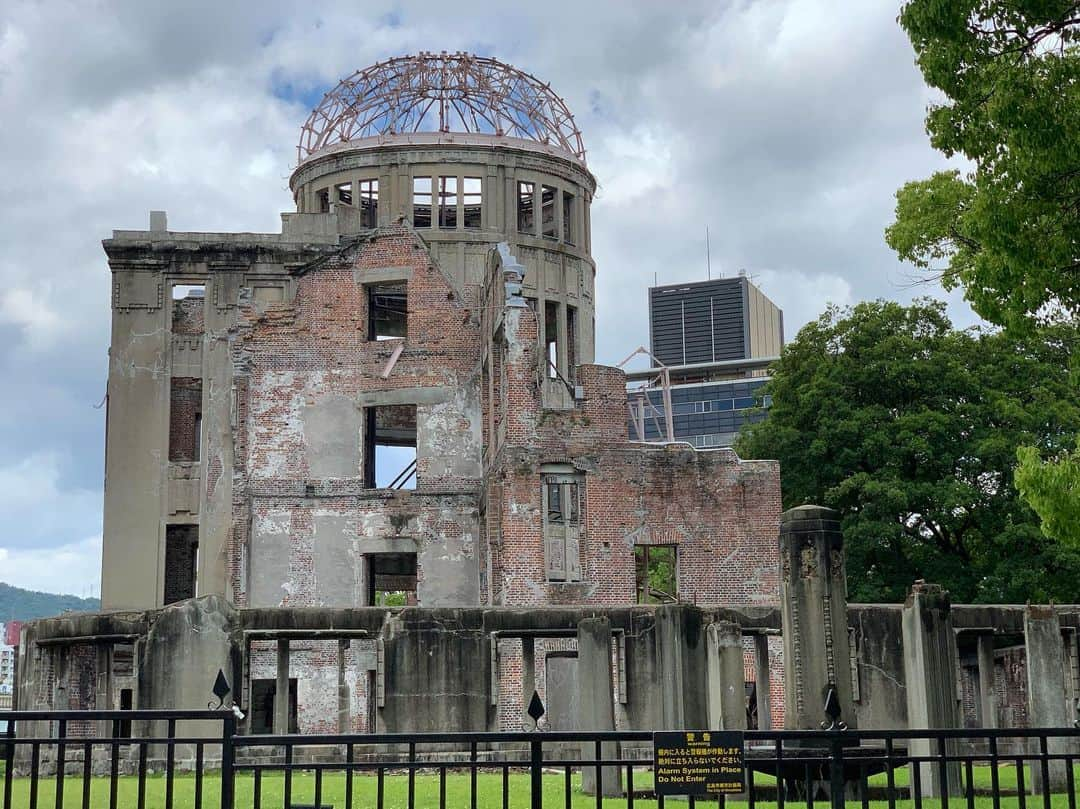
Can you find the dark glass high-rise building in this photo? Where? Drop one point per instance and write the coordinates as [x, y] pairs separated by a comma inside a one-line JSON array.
[[715, 339]]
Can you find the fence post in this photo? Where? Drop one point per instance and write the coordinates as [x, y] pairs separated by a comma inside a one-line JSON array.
[[228, 786], [836, 772], [536, 771]]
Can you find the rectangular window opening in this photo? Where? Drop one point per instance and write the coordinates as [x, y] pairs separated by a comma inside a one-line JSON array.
[[263, 696], [185, 419], [525, 219], [473, 200], [391, 579], [551, 338], [448, 194], [390, 447], [561, 494], [126, 704], [188, 307], [568, 217], [656, 574], [181, 562], [547, 208], [388, 311], [369, 203], [571, 343], [421, 202], [322, 198], [343, 193]]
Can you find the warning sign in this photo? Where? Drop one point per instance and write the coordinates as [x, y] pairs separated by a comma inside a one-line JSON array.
[[698, 762]]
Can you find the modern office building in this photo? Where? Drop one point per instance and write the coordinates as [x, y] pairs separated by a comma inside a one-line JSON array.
[[713, 341]]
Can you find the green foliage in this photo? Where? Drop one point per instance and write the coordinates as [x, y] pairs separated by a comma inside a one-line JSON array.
[[910, 429], [1008, 229], [1052, 489], [17, 604]]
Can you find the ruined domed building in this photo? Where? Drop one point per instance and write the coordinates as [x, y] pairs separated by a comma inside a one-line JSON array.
[[392, 402]]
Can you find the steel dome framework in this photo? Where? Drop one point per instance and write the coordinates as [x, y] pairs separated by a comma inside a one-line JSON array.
[[443, 92]]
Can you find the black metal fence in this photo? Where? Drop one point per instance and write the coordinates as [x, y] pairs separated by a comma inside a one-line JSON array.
[[149, 759]]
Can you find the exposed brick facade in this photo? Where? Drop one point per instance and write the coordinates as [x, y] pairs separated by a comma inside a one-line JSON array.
[[304, 371]]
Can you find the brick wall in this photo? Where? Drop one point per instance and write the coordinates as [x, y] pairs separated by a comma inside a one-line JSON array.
[[185, 405], [722, 513], [181, 548], [312, 352]]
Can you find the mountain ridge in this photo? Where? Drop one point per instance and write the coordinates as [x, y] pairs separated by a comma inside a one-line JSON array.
[[18, 604]]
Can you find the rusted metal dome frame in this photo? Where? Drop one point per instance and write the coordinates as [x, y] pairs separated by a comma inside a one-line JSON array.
[[443, 92]]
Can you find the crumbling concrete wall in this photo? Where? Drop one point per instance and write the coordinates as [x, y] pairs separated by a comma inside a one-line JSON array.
[[306, 371]]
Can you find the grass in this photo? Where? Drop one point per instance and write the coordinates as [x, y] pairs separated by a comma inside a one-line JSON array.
[[489, 791]]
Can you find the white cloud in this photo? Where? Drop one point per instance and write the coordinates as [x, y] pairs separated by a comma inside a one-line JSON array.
[[784, 126], [30, 311], [73, 569]]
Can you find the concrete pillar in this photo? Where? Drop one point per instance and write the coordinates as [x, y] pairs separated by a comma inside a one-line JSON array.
[[930, 665], [762, 681], [987, 693], [1047, 705], [813, 601], [281, 694], [344, 714], [596, 700], [528, 681], [682, 665], [727, 680]]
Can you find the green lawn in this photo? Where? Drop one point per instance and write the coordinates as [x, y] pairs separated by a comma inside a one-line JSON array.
[[489, 791]]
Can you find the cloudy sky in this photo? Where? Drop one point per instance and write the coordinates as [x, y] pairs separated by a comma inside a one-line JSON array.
[[785, 126]]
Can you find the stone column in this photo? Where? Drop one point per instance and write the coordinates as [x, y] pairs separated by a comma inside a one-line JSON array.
[[596, 701], [727, 686], [528, 680], [344, 714], [987, 693], [813, 601], [762, 681], [1047, 705], [930, 664], [281, 693], [682, 667]]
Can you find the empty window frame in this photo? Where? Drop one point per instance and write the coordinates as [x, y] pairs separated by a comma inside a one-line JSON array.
[[322, 200], [472, 197], [391, 579], [343, 193], [571, 343], [656, 574], [369, 203], [126, 704], [185, 419], [188, 309], [568, 217], [388, 310], [390, 447], [448, 199], [181, 562], [547, 207], [561, 494], [526, 221], [551, 338], [261, 706], [421, 202]]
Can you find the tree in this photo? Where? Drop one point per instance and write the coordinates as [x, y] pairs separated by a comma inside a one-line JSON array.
[[1007, 227], [1052, 488], [909, 428], [1007, 230]]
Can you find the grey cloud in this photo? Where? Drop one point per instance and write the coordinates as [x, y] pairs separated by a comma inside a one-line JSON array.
[[785, 126]]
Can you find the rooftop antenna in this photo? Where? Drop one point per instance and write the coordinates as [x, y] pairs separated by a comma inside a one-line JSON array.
[[708, 258]]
